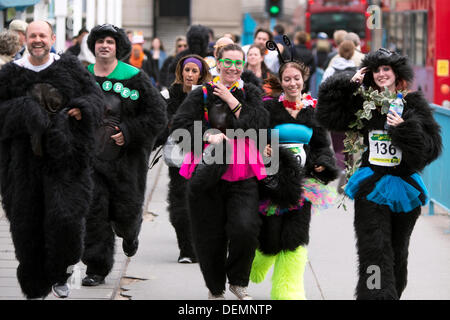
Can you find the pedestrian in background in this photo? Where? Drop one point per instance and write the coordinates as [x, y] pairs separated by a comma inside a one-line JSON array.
[[255, 62], [20, 28], [166, 78], [338, 37], [343, 61], [260, 38], [75, 49], [157, 57], [9, 46], [220, 43], [304, 55]]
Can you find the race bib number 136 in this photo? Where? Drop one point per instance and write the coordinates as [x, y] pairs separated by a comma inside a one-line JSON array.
[[381, 150]]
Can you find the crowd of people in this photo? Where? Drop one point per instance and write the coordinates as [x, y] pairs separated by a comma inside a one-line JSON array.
[[77, 130]]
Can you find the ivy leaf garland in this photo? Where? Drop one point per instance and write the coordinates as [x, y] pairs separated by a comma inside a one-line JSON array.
[[353, 145]]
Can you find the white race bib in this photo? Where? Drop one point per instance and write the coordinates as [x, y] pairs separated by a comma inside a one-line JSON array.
[[381, 150], [298, 151]]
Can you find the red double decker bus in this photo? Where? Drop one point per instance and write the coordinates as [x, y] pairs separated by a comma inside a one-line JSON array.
[[419, 29], [331, 15]]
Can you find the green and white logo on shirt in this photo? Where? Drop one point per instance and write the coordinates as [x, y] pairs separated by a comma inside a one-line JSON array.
[[107, 85]]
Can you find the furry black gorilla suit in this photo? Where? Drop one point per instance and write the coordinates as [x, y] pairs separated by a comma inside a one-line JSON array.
[[383, 235], [46, 160], [223, 214], [176, 196], [120, 180], [197, 38]]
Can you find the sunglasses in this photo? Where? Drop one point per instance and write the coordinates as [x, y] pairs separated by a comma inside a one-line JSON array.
[[182, 46], [227, 63], [385, 52]]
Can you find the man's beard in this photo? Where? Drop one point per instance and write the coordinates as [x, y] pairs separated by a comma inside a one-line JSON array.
[[42, 56]]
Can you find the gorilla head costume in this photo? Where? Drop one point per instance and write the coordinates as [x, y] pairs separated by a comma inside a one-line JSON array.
[[123, 45], [198, 39]]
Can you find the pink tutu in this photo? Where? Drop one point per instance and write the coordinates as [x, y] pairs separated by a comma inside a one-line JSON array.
[[246, 162]]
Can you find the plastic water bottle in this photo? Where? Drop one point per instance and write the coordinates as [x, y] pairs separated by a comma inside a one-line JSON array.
[[397, 106]]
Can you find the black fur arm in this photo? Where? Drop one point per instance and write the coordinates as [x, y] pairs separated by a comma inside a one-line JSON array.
[[321, 155], [22, 115], [336, 106], [419, 135], [253, 114], [190, 111], [88, 96], [143, 120]]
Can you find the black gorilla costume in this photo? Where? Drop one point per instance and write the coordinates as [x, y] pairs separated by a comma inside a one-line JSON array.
[[383, 232], [197, 38], [176, 197], [46, 166], [290, 230], [224, 214], [120, 175]]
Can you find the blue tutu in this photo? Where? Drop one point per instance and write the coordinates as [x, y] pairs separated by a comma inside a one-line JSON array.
[[391, 191]]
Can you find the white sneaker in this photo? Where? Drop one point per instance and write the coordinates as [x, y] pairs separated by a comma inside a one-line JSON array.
[[240, 292], [215, 297]]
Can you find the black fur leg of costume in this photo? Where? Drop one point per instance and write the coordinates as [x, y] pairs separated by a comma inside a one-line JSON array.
[[228, 212], [285, 232], [178, 212], [373, 234], [66, 205], [99, 241], [382, 241], [27, 233], [402, 227]]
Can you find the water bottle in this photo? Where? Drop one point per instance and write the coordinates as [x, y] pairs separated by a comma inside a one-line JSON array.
[[397, 106]]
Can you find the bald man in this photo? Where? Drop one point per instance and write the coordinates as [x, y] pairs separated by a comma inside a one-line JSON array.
[[220, 43], [49, 108]]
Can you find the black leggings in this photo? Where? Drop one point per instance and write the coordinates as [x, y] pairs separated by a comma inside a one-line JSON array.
[[225, 219], [178, 212], [382, 243]]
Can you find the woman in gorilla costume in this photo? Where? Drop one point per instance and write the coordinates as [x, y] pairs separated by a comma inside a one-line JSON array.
[[137, 110], [46, 166], [388, 196], [191, 70], [223, 198], [285, 230]]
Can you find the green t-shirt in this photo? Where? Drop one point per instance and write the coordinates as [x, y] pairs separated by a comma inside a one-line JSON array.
[[122, 71]]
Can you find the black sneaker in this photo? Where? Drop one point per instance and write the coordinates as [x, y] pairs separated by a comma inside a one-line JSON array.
[[130, 248], [61, 290], [92, 280]]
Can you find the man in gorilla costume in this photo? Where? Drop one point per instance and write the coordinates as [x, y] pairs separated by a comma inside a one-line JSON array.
[[135, 115], [49, 108]]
